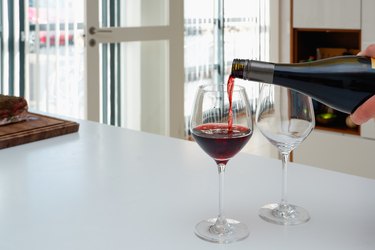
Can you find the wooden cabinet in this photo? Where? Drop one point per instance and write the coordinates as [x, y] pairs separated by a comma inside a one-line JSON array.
[[316, 43], [346, 24], [324, 14], [336, 26]]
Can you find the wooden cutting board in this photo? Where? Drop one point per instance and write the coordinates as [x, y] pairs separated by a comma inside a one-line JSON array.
[[36, 127]]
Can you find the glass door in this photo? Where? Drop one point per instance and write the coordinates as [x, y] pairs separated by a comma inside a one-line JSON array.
[[135, 65]]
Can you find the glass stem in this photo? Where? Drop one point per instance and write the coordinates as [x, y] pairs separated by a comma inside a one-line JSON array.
[[221, 170], [221, 225], [284, 187]]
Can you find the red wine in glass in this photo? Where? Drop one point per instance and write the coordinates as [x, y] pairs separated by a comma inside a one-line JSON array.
[[220, 141]]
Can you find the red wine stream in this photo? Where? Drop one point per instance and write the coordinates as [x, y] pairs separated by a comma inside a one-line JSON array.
[[230, 86]]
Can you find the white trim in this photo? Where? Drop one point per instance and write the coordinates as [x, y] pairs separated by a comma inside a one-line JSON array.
[[176, 69], [130, 34], [284, 27], [274, 44], [92, 63]]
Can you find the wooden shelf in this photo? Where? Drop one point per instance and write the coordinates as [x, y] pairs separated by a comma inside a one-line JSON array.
[[306, 41], [338, 130]]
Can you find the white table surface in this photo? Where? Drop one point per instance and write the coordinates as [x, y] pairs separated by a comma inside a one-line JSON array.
[[110, 188]]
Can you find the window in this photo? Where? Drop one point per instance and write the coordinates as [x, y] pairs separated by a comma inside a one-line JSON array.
[[42, 54], [54, 61], [211, 47]]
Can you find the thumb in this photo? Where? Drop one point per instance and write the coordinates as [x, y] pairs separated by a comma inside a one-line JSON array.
[[364, 112]]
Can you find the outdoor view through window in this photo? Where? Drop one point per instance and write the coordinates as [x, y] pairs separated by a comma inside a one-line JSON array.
[[50, 69], [244, 37]]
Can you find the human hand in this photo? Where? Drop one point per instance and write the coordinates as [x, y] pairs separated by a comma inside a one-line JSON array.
[[367, 110]]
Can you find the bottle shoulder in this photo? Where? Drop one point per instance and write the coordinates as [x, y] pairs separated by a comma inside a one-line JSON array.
[[341, 64]]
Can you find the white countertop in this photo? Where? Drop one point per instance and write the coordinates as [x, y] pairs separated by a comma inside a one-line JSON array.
[[110, 188]]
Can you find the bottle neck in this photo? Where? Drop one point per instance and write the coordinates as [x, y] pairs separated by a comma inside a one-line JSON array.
[[253, 70]]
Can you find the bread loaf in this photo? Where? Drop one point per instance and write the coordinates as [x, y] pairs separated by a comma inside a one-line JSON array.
[[12, 109]]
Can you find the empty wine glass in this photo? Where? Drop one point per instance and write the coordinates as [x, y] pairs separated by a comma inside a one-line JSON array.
[[285, 117], [221, 129]]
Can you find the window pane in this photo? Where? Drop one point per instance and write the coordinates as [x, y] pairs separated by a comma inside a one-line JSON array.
[[135, 13], [199, 47], [55, 59], [242, 39], [56, 81], [136, 86]]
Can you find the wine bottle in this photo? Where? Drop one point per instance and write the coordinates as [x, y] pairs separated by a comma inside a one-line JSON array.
[[343, 82]]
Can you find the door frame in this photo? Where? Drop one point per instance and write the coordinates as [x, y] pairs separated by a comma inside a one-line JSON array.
[[173, 33]]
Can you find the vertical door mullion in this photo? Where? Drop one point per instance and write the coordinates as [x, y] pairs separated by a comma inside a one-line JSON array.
[[92, 62], [22, 47], [11, 61], [118, 67], [104, 70], [112, 69], [118, 85]]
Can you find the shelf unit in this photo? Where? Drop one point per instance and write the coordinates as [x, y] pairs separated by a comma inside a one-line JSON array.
[[337, 23], [307, 44]]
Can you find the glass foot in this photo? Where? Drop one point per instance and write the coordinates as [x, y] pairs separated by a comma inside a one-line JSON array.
[[226, 232], [284, 214]]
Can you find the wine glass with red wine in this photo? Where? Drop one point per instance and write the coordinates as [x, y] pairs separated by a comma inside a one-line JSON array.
[[221, 126], [285, 117]]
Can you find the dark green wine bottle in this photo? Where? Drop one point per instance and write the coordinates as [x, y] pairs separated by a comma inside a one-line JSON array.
[[343, 82]]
